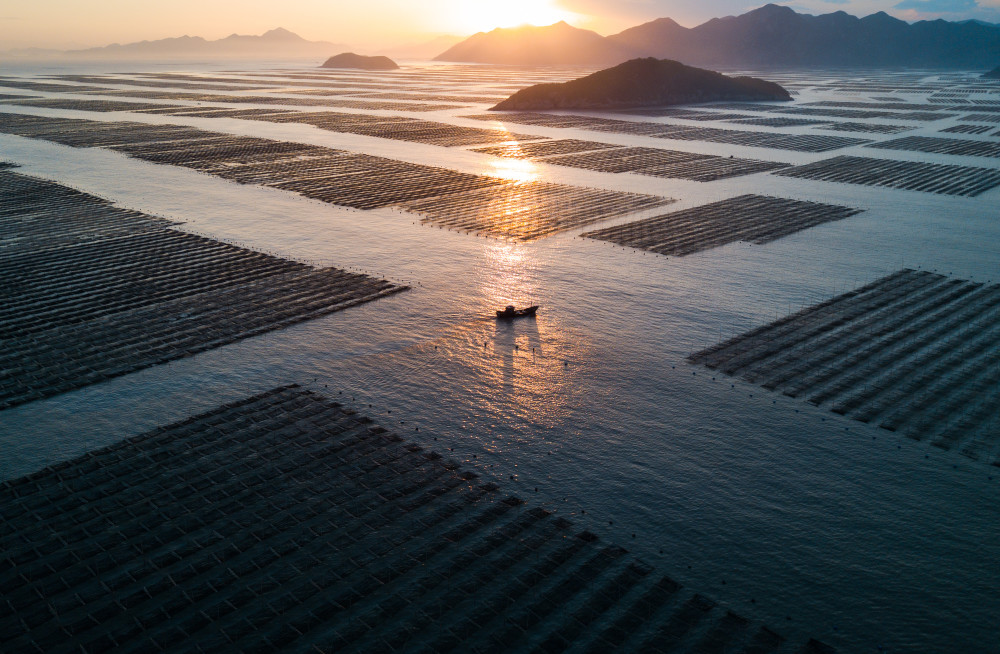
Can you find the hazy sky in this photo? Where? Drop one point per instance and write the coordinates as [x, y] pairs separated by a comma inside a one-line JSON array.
[[372, 23]]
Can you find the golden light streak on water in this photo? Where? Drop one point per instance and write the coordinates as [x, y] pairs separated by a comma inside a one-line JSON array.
[[513, 165]]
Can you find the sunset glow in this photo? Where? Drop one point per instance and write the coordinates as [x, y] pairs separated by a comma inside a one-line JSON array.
[[483, 17]]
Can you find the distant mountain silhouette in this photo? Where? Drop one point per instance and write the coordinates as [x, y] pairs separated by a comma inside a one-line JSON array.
[[771, 35], [536, 46], [993, 74], [276, 43], [643, 83], [351, 60], [775, 35]]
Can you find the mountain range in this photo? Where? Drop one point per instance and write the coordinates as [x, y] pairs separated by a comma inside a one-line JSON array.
[[772, 35], [275, 44], [557, 44]]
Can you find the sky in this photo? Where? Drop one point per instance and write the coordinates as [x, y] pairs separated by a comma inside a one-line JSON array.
[[64, 24]]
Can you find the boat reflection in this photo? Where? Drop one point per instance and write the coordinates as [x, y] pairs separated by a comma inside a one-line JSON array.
[[510, 338]]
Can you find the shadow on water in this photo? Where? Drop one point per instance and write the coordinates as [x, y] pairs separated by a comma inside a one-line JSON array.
[[505, 344]]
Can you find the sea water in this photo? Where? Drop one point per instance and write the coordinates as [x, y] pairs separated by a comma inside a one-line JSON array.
[[815, 524]]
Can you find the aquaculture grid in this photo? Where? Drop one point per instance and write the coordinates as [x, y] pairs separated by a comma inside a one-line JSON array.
[[91, 291], [798, 142], [913, 352], [529, 210], [286, 522], [445, 197], [753, 218], [947, 179], [962, 147]]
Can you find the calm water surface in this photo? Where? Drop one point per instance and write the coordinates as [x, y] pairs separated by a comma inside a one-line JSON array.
[[818, 525]]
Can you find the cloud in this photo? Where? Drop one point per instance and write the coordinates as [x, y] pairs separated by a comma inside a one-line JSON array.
[[686, 12], [938, 6]]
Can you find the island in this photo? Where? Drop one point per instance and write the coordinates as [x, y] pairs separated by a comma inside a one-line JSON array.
[[645, 82], [993, 74], [361, 62]]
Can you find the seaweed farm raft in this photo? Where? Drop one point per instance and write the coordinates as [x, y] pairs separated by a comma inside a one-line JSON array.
[[914, 352], [795, 142], [529, 210], [652, 162], [91, 291], [286, 522], [753, 218], [961, 147], [947, 179], [444, 197]]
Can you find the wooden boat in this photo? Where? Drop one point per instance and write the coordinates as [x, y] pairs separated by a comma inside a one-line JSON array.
[[511, 312]]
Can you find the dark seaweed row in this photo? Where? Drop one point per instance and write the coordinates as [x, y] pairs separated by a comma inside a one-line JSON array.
[[909, 175], [544, 148], [872, 128], [914, 352], [752, 218], [84, 105], [776, 121], [864, 114], [799, 142], [530, 210], [961, 147], [90, 292], [446, 197], [286, 522], [653, 162], [966, 129], [134, 105]]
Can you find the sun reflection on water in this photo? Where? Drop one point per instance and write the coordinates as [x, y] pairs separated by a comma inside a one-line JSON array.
[[513, 165], [518, 170], [508, 274]]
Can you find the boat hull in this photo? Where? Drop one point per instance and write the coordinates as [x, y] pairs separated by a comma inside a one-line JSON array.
[[516, 313]]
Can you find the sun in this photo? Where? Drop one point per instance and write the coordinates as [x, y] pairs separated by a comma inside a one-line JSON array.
[[484, 16]]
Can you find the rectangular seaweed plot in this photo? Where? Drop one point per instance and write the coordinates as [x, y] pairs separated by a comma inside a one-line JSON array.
[[873, 128], [365, 182], [936, 145], [446, 197], [401, 128], [90, 291], [858, 114], [966, 129], [776, 121], [624, 160], [913, 352], [286, 522], [94, 134], [655, 162], [87, 105], [753, 218], [545, 148], [981, 118], [910, 175], [711, 168], [797, 142], [529, 210]]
